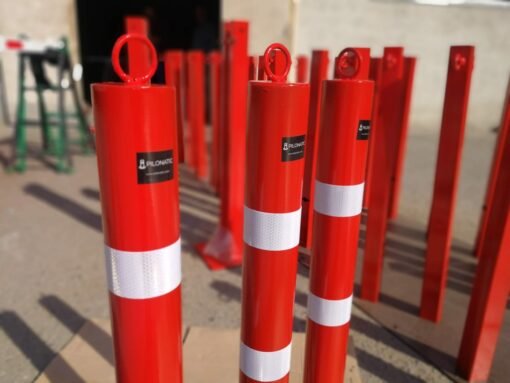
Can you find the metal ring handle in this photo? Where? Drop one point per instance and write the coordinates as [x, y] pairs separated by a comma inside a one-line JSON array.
[[127, 78], [347, 64], [267, 62]]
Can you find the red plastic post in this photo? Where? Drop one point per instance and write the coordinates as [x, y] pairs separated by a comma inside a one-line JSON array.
[[504, 131], [252, 68], [277, 120], [224, 249], [384, 154], [302, 68], [261, 73], [137, 151], [448, 164], [174, 62], [138, 54], [318, 74], [374, 75], [341, 166], [492, 281], [407, 90], [215, 63]]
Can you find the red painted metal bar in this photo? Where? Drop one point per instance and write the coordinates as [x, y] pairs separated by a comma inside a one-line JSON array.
[[215, 63], [302, 68], [375, 75], [384, 154], [504, 131], [138, 54], [140, 205], [407, 85], [224, 249], [174, 62], [492, 282], [460, 67], [343, 146], [252, 68], [274, 160], [196, 105], [318, 73], [261, 74]]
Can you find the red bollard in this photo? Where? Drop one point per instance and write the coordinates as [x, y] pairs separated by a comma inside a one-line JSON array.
[[492, 281], [261, 73], [276, 133], [504, 131], [407, 90], [136, 137], [318, 73], [214, 60], [225, 248], [302, 69], [138, 54], [343, 146], [173, 76], [252, 68], [448, 164]]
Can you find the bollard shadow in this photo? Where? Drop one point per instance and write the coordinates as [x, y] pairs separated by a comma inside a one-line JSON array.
[[65, 205], [34, 348], [91, 193]]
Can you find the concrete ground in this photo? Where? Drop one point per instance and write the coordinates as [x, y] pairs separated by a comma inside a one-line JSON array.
[[52, 271]]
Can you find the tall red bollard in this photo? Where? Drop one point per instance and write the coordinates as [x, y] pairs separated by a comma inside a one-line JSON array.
[[138, 54], [504, 131], [302, 69], [261, 73], [318, 73], [136, 136], [214, 60], [276, 133], [252, 68], [225, 248], [460, 67], [173, 77], [492, 281], [384, 152], [343, 146], [196, 105]]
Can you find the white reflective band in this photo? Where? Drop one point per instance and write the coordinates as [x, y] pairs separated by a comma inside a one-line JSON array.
[[331, 313], [265, 366], [143, 274], [338, 200], [271, 231]]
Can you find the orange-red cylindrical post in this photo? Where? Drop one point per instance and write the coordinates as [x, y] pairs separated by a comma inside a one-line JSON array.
[[261, 73], [196, 105], [225, 248], [138, 54], [215, 62], [252, 68], [318, 73], [137, 151], [174, 62], [341, 167], [275, 160], [302, 68]]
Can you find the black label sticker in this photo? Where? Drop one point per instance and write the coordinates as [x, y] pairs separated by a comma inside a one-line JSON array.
[[155, 167], [293, 148], [363, 130]]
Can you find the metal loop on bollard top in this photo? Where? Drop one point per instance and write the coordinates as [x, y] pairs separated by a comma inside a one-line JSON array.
[[347, 64], [127, 78], [267, 62]]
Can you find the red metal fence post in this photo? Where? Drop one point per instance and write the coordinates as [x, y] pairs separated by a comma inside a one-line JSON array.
[[138, 54], [136, 137], [302, 68], [384, 154], [318, 73], [224, 249], [343, 146], [504, 130], [492, 281], [196, 102], [215, 64], [174, 62], [276, 132], [448, 164]]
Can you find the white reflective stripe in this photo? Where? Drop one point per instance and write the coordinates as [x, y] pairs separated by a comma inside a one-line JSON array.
[[271, 231], [265, 366], [331, 313], [338, 200], [143, 274]]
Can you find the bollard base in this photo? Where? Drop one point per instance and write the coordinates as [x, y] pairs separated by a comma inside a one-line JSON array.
[[221, 252]]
